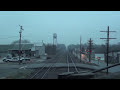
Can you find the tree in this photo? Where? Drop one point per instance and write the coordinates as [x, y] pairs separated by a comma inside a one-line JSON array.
[[22, 41]]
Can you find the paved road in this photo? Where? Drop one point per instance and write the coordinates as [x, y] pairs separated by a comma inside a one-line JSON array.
[[12, 68]]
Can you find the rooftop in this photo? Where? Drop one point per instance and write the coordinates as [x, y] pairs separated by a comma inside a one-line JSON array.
[[5, 48]]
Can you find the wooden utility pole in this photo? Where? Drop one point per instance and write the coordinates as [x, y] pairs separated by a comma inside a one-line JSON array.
[[20, 42], [80, 49], [107, 50], [90, 49]]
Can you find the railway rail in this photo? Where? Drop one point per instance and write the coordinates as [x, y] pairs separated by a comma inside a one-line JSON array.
[[48, 66], [69, 62], [48, 70]]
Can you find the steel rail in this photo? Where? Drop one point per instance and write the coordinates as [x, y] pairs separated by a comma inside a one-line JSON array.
[[49, 68], [37, 73], [47, 71], [74, 64]]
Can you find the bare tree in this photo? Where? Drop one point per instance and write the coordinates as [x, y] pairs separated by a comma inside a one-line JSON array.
[[23, 41]]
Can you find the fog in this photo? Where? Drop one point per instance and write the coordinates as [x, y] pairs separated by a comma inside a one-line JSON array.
[[69, 26]]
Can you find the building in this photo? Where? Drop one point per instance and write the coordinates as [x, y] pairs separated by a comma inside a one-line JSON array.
[[114, 56], [4, 50], [100, 56], [27, 50], [39, 51]]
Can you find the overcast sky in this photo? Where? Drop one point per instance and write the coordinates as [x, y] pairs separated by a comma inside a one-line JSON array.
[[69, 25]]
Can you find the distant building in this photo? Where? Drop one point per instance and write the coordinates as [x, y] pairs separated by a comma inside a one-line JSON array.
[[27, 50], [4, 50], [100, 56], [114, 56], [39, 51]]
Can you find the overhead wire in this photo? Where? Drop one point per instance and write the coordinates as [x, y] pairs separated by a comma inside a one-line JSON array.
[[9, 37]]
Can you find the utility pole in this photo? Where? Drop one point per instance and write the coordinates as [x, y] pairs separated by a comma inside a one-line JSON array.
[[20, 41], [107, 44], [42, 42], [80, 49], [90, 49]]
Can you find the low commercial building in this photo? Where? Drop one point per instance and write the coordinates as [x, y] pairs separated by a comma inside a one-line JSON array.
[[100, 56], [27, 50], [39, 51], [4, 50], [113, 57]]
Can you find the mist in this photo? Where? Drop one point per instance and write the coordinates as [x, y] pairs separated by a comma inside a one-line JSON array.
[[69, 26]]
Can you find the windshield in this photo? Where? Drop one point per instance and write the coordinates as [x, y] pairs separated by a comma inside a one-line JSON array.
[[56, 44]]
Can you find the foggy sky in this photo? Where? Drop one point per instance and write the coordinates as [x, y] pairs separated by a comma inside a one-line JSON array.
[[69, 26]]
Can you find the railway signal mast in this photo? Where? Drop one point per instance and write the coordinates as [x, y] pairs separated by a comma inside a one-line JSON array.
[[107, 43], [55, 39], [54, 43], [90, 48], [20, 41]]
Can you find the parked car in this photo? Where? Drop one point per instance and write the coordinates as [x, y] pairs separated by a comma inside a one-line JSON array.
[[27, 59], [12, 59]]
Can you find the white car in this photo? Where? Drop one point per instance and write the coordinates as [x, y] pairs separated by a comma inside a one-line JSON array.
[[12, 59], [27, 59]]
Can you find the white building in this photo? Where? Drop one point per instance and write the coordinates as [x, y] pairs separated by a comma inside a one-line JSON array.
[[100, 56], [39, 50]]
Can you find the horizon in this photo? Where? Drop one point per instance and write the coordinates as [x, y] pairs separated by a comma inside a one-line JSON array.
[[69, 26]]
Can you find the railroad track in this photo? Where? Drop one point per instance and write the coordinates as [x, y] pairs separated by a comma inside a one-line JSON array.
[[46, 68], [71, 61]]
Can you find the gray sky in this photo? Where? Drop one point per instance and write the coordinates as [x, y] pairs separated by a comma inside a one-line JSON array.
[[69, 25]]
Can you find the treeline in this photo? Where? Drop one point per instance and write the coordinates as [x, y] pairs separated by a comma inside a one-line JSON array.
[[61, 47], [96, 47], [51, 49]]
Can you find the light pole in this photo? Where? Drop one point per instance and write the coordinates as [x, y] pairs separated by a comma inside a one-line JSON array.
[[20, 42]]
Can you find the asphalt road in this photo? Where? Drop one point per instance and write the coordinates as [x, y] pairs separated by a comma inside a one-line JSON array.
[[11, 68]]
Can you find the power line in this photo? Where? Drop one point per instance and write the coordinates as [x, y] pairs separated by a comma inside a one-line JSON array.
[[107, 44], [9, 37]]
